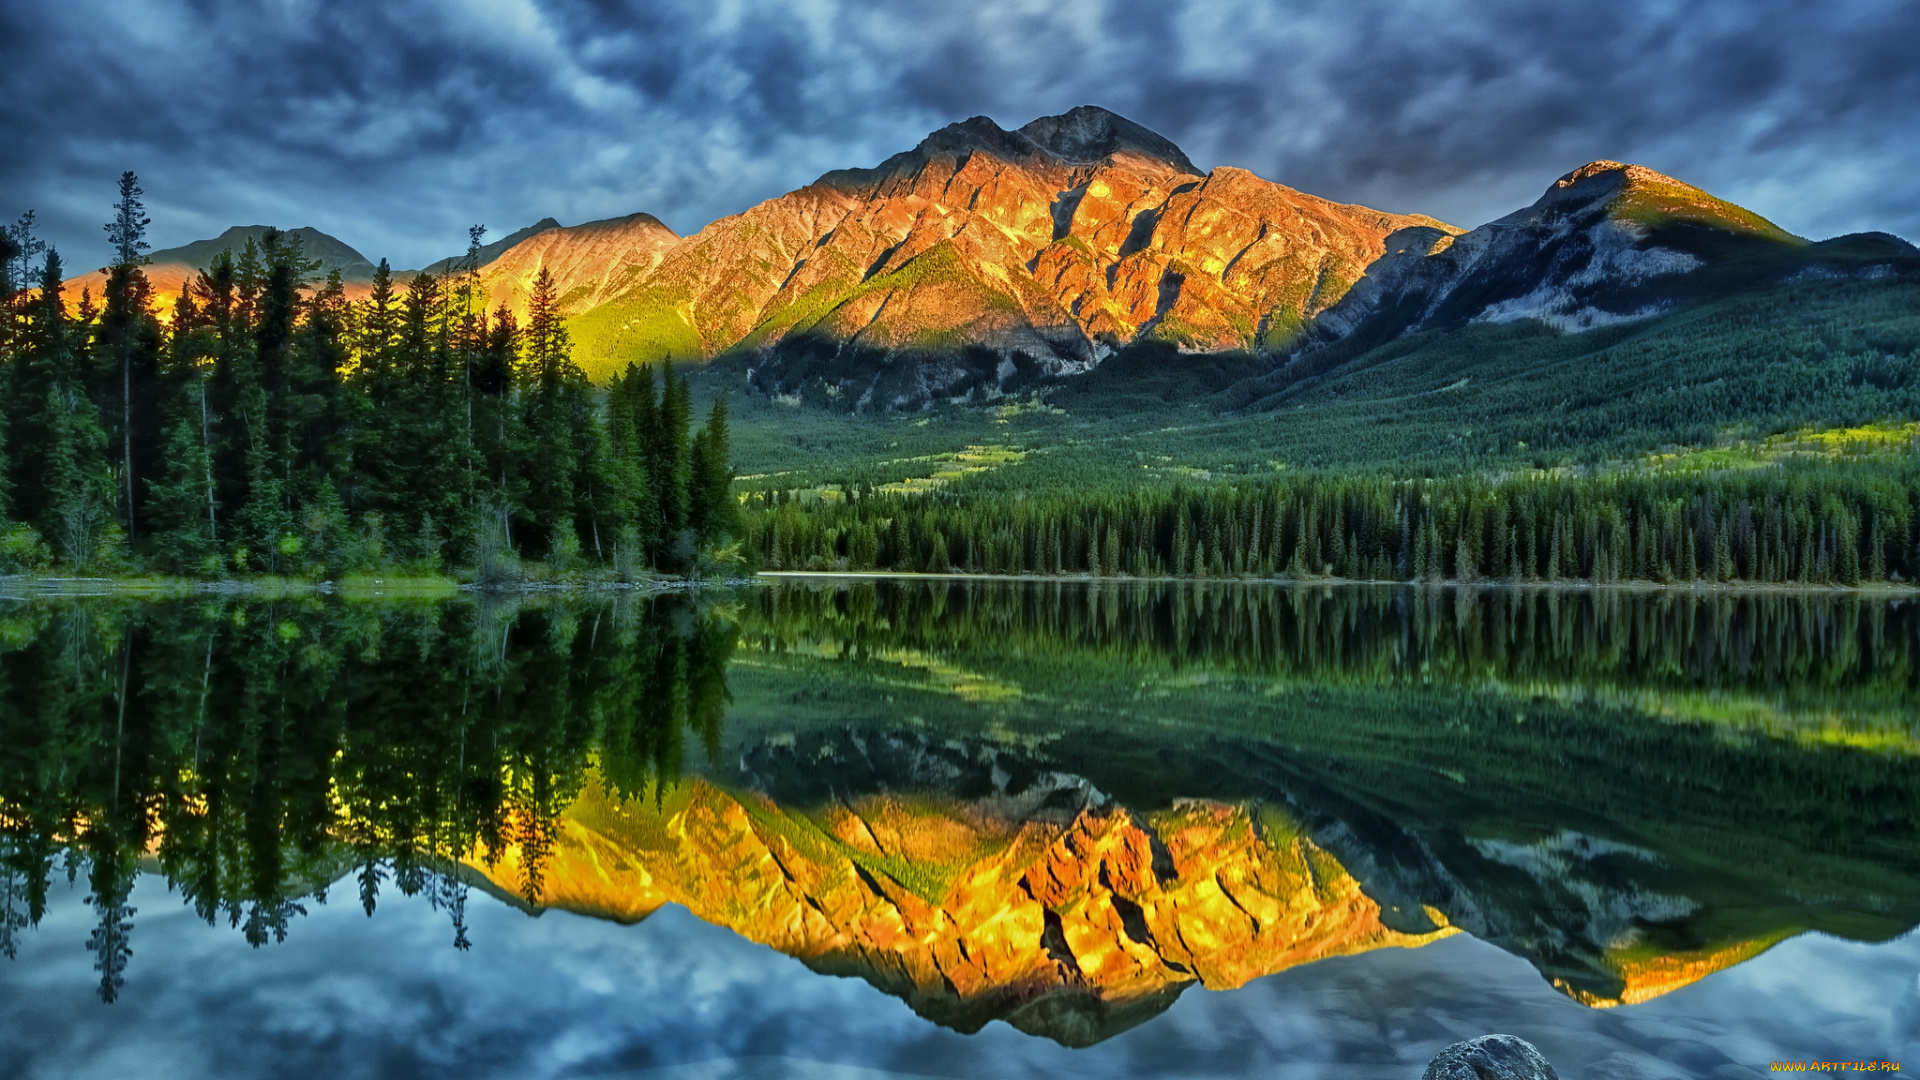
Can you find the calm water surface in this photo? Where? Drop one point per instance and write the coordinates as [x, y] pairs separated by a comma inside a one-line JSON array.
[[843, 830]]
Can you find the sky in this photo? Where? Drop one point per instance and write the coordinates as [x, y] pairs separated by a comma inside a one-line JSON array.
[[672, 998], [395, 124]]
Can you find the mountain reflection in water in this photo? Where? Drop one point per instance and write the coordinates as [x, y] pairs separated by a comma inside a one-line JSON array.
[[1055, 804]]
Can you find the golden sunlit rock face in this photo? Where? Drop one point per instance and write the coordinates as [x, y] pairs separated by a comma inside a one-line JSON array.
[[1073, 927], [1062, 240], [590, 263]]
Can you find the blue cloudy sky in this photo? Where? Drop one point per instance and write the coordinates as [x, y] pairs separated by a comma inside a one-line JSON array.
[[563, 997], [393, 125]]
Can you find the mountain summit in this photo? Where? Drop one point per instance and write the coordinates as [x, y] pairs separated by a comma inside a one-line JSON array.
[[1088, 134], [1084, 136]]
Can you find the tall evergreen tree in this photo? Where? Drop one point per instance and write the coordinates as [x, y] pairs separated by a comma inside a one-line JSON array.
[[63, 485], [127, 350], [711, 511], [553, 457], [18, 275]]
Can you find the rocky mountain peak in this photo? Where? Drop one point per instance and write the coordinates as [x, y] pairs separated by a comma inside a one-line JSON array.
[[1647, 199], [1615, 175], [1089, 133], [1086, 135], [1589, 170], [976, 133]]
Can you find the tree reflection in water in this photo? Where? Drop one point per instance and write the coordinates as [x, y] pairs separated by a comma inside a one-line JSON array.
[[1056, 804], [256, 753]]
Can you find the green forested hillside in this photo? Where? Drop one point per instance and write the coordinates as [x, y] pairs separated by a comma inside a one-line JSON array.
[[1761, 438], [274, 426], [1816, 354]]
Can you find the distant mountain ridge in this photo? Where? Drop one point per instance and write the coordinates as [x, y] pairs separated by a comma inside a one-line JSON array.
[[985, 260], [169, 269], [1581, 256], [1607, 244]]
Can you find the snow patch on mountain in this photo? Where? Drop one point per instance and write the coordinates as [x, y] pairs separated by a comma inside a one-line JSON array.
[[1558, 308], [1613, 257]]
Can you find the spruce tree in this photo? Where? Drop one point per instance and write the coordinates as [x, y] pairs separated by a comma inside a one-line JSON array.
[[128, 355], [553, 456], [711, 509]]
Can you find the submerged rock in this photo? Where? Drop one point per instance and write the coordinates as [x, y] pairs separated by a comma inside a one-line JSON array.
[[1490, 1057]]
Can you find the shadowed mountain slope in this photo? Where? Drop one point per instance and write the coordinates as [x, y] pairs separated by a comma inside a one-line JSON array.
[[1608, 243]]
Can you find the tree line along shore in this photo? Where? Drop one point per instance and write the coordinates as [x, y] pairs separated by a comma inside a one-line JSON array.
[[270, 426]]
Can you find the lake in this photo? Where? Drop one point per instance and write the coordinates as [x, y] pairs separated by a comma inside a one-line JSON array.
[[848, 829]]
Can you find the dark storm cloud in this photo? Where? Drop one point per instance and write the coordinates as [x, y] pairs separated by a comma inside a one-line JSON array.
[[393, 125]]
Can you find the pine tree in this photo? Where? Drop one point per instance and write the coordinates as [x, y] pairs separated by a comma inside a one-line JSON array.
[[128, 355], [712, 511], [553, 457]]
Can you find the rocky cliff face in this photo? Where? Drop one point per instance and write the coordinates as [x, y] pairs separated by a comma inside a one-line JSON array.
[[590, 263], [1074, 925], [977, 260]]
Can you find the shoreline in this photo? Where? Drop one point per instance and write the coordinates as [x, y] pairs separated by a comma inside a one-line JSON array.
[[21, 587], [1892, 590]]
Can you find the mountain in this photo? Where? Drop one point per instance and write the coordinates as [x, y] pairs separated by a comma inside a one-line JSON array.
[[169, 269], [983, 258], [1072, 926], [590, 263], [1623, 310], [1608, 243]]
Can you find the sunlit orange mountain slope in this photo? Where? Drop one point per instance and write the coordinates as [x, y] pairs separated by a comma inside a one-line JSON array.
[[1072, 926], [984, 260]]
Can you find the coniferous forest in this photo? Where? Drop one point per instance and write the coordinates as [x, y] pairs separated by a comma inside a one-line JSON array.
[[268, 425], [1807, 525]]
